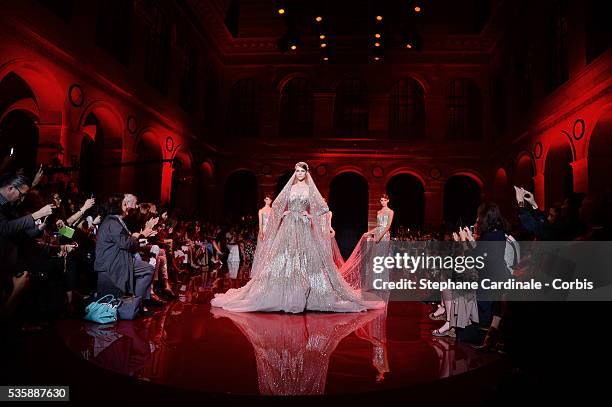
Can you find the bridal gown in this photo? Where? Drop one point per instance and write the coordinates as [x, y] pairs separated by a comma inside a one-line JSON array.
[[298, 274]]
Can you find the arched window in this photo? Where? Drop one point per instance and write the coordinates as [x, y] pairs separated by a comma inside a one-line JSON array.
[[598, 28], [351, 109], [464, 110], [524, 74], [114, 28], [188, 80], [157, 64], [559, 61], [61, 8], [243, 117], [407, 110], [211, 97], [296, 113]]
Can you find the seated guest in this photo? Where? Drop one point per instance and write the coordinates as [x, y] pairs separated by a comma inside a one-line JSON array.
[[119, 271]]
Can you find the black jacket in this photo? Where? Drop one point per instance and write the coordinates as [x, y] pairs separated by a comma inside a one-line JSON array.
[[13, 231], [114, 253]]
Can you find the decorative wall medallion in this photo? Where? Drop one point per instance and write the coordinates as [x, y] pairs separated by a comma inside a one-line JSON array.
[[435, 173], [169, 144], [75, 95], [537, 150], [378, 172], [578, 130], [322, 170], [132, 126]]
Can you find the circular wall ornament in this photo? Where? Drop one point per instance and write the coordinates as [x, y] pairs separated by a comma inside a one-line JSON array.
[[75, 95], [435, 173], [169, 144], [537, 150], [132, 126], [322, 170], [578, 130], [378, 172]]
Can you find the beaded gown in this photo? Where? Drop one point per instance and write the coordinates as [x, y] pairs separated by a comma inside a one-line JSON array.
[[353, 271], [294, 270]]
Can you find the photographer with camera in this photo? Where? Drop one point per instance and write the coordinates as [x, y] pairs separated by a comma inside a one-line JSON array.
[[561, 223]]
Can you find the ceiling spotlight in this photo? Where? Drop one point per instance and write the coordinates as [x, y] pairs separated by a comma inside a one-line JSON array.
[[281, 11], [325, 58], [417, 9], [293, 47], [377, 44], [322, 36], [379, 18], [377, 35], [409, 45], [318, 19], [376, 58], [323, 45]]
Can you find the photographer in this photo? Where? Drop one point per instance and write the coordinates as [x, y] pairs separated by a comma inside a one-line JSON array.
[[561, 223]]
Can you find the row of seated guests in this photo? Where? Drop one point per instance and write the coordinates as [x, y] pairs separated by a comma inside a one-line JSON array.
[[52, 267]]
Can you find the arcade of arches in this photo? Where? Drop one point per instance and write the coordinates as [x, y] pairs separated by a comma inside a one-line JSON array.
[[427, 140]]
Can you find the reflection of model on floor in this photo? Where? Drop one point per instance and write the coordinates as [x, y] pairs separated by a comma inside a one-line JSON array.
[[293, 351]]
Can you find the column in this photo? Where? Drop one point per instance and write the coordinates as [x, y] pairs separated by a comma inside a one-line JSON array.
[[434, 199], [580, 172], [50, 143], [540, 191]]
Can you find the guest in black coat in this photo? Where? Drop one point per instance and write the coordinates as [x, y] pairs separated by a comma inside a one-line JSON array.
[[119, 271]]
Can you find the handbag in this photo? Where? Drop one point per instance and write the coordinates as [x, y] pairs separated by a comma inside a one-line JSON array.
[[102, 311], [129, 307]]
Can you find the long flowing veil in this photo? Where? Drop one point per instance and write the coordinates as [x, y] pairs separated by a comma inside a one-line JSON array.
[[265, 255], [318, 208]]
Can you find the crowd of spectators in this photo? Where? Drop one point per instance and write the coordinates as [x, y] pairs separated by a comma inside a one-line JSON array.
[[56, 256]]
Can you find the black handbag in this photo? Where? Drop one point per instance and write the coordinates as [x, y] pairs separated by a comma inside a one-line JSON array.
[[129, 308]]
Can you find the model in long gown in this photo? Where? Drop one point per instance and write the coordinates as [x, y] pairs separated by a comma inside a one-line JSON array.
[[354, 270], [294, 270]]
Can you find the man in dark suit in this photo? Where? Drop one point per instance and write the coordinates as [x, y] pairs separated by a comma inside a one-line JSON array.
[[119, 272]]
